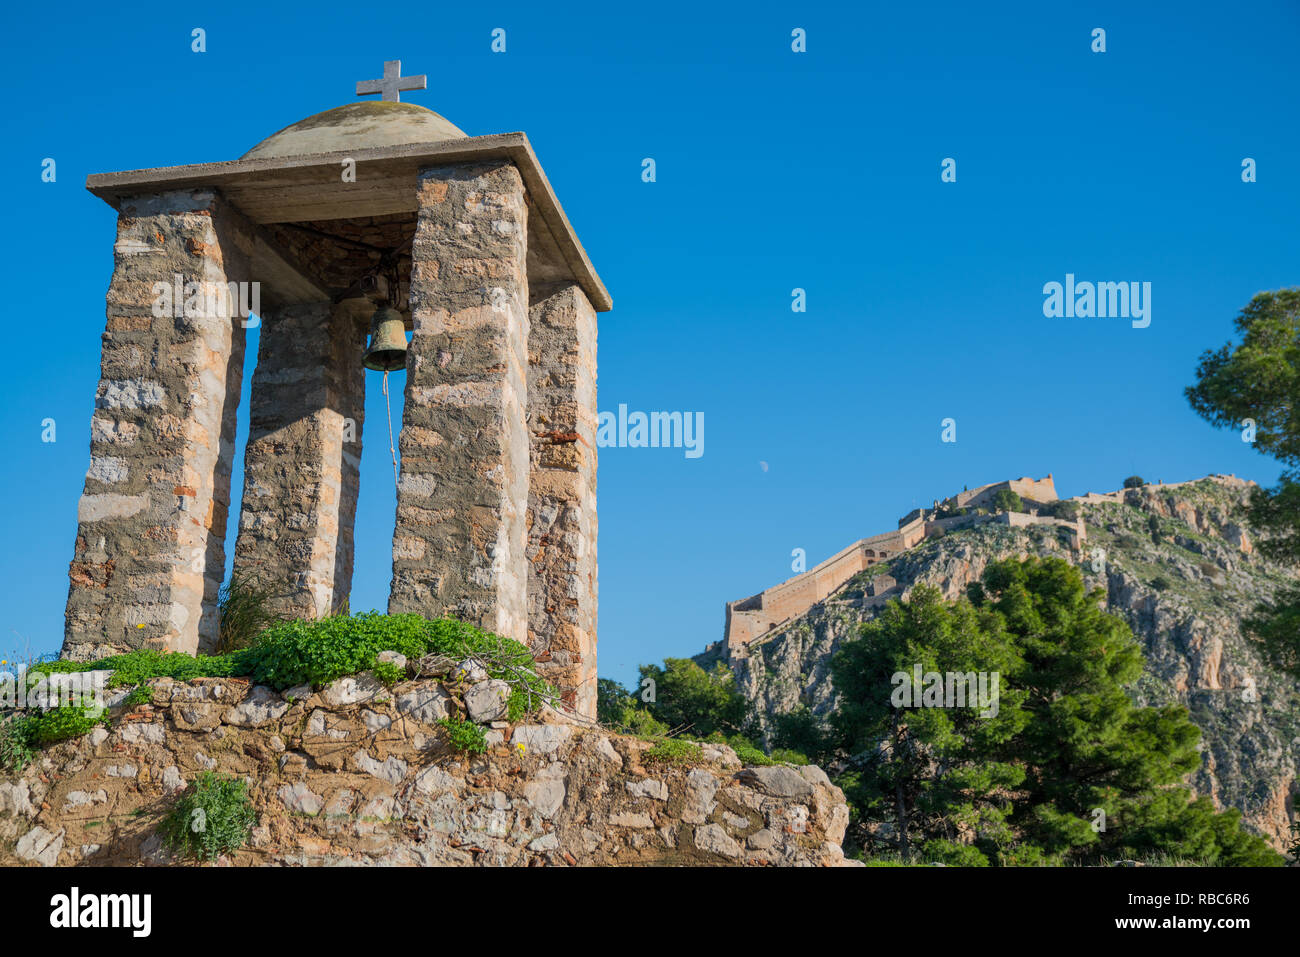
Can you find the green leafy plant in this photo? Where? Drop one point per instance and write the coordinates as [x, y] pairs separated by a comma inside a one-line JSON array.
[[388, 673], [674, 751], [292, 653], [142, 694], [749, 754], [16, 748], [137, 667], [789, 756], [60, 724], [213, 816], [465, 735], [317, 652]]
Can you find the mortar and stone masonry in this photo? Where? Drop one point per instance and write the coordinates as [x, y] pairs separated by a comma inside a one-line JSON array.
[[496, 507]]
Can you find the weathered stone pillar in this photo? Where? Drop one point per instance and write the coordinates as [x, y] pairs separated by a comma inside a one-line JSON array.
[[458, 544], [302, 462], [562, 492], [150, 548]]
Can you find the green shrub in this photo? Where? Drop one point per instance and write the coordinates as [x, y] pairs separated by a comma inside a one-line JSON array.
[[686, 697], [143, 694], [465, 735], [317, 652], [517, 705], [953, 854], [388, 673], [789, 756], [59, 724], [751, 755], [674, 751], [619, 710], [885, 859], [138, 667], [213, 816], [800, 732], [1134, 481], [1062, 508], [1007, 501], [745, 749], [16, 748], [291, 653], [611, 701]]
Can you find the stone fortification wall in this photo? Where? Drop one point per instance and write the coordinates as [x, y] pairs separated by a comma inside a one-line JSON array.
[[751, 618]]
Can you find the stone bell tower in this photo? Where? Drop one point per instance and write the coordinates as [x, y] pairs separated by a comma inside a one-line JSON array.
[[377, 203]]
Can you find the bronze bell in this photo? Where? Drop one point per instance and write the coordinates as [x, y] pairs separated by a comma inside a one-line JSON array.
[[387, 349]]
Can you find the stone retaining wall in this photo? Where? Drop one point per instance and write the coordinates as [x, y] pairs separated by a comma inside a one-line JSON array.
[[360, 774]]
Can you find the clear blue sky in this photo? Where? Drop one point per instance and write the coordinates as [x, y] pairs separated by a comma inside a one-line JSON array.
[[775, 170]]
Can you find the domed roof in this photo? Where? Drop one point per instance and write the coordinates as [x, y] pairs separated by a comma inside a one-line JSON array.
[[358, 126]]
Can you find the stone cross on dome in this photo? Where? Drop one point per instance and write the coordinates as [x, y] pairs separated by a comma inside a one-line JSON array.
[[391, 86]]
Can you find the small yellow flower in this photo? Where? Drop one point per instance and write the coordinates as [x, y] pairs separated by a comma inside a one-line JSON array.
[[520, 746], [141, 625]]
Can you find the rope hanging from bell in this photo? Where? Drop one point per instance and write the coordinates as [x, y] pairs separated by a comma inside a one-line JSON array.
[[388, 405]]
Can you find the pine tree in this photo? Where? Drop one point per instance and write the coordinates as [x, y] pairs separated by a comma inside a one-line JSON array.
[[1065, 769], [690, 699], [930, 772], [1255, 387], [1102, 774]]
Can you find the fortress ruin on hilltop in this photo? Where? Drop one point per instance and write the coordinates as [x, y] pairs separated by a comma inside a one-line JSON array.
[[756, 616]]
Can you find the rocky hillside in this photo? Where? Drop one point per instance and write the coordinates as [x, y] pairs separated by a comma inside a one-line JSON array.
[[1176, 562], [362, 773]]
